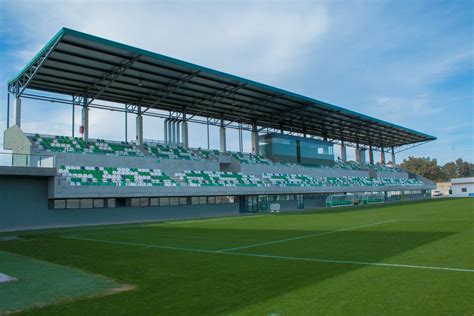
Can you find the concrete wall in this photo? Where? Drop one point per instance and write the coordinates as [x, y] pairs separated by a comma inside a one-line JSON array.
[[25, 206]]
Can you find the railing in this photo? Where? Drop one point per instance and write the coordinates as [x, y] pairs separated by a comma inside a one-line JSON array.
[[25, 160]]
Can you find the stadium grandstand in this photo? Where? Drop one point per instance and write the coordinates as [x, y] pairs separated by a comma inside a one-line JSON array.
[[68, 180]]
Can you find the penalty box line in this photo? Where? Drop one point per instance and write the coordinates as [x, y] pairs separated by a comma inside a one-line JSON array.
[[256, 255]]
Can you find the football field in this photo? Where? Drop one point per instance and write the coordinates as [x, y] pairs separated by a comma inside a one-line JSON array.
[[400, 259]]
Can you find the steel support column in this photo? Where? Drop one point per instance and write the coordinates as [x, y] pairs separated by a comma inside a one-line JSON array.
[[139, 127], [382, 156], [223, 145], [8, 110], [343, 152], [17, 111], [208, 139], [126, 124], [184, 131], [85, 120], [357, 153], [371, 155], [393, 156], [255, 149], [73, 116]]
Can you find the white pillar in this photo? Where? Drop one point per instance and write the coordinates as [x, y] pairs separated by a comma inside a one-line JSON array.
[[184, 131], [178, 132], [139, 129], [382, 156], [85, 122], [222, 138], [17, 111], [165, 127], [371, 155], [173, 132], [362, 156], [343, 152], [254, 139], [393, 156]]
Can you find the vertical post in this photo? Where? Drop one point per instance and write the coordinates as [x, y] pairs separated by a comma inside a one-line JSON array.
[[139, 127], [241, 145], [85, 119], [178, 131], [8, 109], [393, 156], [382, 155], [371, 155], [184, 130], [357, 153], [126, 123], [170, 130], [173, 131], [73, 115], [362, 156], [223, 145], [17, 111], [255, 149], [208, 140], [343, 152], [165, 128]]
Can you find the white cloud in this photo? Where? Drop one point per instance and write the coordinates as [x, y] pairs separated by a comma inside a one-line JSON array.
[[250, 39]]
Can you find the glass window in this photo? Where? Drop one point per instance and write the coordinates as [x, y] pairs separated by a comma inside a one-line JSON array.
[[211, 200], [203, 200], [134, 202], [464, 190], [154, 201], [58, 204], [195, 200], [98, 203], [165, 201], [73, 203], [144, 202], [183, 201], [110, 202]]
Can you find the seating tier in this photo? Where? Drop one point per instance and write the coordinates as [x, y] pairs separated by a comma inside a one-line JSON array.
[[217, 178], [78, 145], [168, 152], [111, 176]]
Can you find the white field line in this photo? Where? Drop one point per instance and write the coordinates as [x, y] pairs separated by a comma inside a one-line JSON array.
[[305, 236], [138, 244], [380, 264], [436, 219]]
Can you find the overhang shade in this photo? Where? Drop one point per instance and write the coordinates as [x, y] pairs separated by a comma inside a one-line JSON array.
[[75, 63]]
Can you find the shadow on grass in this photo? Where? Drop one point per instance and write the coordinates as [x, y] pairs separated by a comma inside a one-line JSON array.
[[184, 282]]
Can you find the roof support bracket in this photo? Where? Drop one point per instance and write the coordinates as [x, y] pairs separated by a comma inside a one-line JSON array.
[[22, 83], [109, 78]]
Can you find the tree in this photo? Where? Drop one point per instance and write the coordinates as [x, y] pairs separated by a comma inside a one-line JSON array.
[[424, 167], [465, 169], [429, 168], [451, 170]]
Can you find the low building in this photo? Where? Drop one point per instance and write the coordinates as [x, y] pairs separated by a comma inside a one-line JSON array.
[[442, 189], [462, 187]]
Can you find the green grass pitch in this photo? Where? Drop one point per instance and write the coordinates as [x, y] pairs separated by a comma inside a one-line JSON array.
[[400, 259]]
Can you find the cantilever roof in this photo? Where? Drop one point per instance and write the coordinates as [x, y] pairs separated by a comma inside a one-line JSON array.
[[75, 63]]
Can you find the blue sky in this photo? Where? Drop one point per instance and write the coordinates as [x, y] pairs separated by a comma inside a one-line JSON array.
[[407, 62]]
